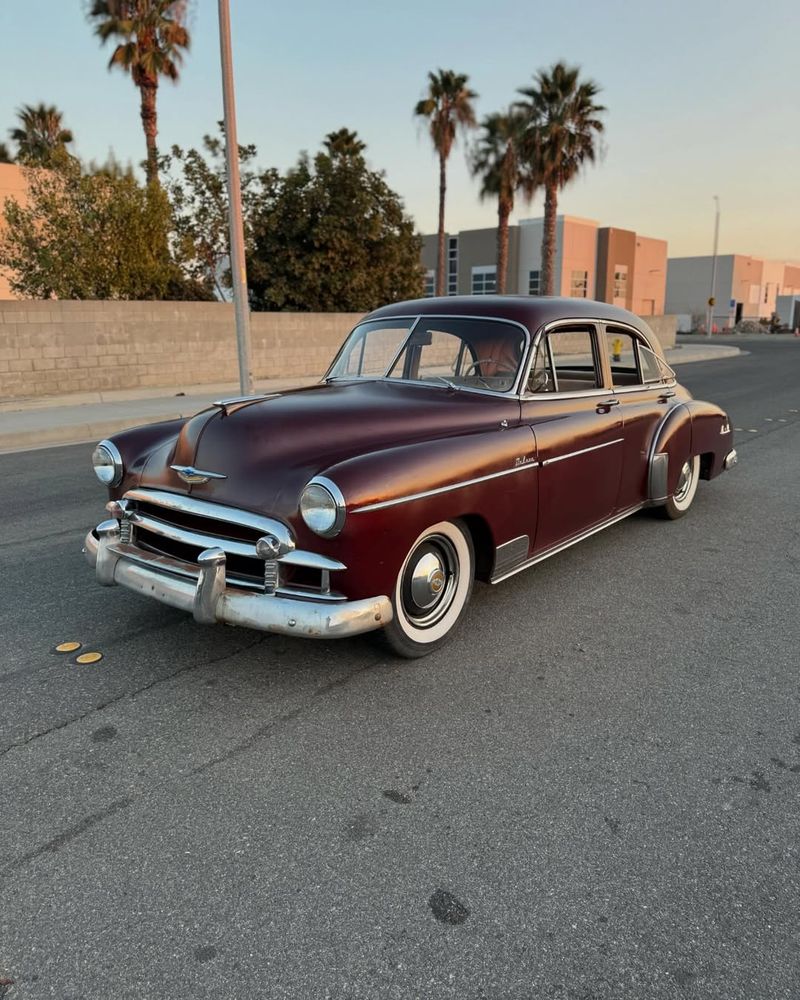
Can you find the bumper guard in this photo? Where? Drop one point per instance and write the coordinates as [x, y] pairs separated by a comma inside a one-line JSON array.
[[207, 596]]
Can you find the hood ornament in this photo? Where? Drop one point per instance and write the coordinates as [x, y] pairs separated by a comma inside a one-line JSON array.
[[193, 476]]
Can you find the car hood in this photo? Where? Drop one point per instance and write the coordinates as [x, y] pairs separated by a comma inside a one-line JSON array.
[[268, 449]]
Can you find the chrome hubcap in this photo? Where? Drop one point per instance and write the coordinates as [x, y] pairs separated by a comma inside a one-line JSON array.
[[430, 581], [684, 482]]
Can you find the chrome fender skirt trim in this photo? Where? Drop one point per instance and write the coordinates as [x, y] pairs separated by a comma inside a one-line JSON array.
[[657, 477], [209, 599]]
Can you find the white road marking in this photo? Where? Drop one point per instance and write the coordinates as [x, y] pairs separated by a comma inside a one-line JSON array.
[[752, 430]]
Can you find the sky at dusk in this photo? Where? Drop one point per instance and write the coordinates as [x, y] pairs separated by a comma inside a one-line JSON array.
[[702, 99]]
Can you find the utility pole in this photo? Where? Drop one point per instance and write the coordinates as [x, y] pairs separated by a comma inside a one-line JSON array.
[[711, 296], [241, 306]]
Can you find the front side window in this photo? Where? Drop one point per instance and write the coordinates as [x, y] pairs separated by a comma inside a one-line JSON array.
[[566, 361]]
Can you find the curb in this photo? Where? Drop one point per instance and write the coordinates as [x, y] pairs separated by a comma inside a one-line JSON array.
[[88, 433]]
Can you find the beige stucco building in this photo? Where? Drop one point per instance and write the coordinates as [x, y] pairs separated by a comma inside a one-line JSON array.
[[610, 264], [745, 287], [12, 185]]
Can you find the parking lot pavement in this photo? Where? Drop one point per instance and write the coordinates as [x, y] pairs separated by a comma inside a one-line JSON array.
[[593, 792]]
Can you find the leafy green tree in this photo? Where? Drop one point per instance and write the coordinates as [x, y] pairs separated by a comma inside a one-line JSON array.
[[152, 38], [89, 236], [5, 154], [448, 109], [563, 127], [496, 160], [40, 136], [196, 184], [331, 235]]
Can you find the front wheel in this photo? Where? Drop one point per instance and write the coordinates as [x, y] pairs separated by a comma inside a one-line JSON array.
[[432, 590], [681, 500]]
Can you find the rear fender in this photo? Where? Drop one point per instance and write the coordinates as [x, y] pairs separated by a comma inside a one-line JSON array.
[[712, 436], [669, 449]]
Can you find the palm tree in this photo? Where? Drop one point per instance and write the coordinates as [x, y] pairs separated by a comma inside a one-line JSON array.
[[564, 124], [448, 108], [40, 136], [497, 160], [152, 36]]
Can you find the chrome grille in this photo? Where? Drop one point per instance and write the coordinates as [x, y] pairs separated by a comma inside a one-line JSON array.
[[182, 527]]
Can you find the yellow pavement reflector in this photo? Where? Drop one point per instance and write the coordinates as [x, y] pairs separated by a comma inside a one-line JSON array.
[[67, 647], [89, 658]]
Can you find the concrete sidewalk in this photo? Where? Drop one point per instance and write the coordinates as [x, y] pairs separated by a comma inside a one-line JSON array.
[[87, 417]]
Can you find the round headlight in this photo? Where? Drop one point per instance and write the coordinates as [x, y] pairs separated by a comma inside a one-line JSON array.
[[322, 507], [107, 463]]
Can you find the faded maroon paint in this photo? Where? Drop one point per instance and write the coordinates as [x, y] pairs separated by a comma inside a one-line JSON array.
[[381, 441]]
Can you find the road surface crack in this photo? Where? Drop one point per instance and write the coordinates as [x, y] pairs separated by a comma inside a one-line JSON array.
[[126, 694]]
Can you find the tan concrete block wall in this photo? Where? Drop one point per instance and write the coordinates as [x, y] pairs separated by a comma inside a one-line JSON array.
[[49, 348]]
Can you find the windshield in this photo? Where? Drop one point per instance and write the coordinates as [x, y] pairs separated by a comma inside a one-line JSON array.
[[457, 352]]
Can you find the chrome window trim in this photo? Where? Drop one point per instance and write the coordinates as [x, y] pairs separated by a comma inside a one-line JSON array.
[[581, 451], [381, 504], [514, 388]]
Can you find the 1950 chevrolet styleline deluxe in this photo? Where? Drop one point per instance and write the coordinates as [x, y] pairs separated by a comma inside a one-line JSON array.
[[452, 439]]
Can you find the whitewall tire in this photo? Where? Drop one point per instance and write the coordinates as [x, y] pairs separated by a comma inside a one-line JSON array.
[[681, 500], [432, 590]]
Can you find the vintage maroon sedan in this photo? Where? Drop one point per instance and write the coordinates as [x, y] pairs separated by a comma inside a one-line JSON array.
[[452, 439]]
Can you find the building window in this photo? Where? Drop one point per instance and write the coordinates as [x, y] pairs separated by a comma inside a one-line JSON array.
[[534, 282], [430, 281], [620, 281], [579, 284], [452, 265], [484, 280]]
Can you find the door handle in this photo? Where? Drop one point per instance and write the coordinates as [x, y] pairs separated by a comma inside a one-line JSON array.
[[606, 404], [666, 394]]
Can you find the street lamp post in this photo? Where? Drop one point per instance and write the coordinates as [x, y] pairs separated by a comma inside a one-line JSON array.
[[238, 267], [711, 296]]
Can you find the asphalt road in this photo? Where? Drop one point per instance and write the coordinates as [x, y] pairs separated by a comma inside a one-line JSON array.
[[592, 794]]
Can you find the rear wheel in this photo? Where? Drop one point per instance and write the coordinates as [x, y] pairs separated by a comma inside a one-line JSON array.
[[432, 590], [681, 500]]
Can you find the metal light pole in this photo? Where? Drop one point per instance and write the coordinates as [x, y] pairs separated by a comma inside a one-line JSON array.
[[711, 296], [241, 306]]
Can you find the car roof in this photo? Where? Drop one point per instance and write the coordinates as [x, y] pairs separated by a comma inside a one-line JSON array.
[[532, 311]]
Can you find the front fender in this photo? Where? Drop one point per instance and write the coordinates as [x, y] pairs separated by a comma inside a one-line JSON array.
[[393, 495]]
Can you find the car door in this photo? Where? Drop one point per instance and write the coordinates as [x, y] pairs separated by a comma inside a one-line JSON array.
[[642, 384], [577, 424]]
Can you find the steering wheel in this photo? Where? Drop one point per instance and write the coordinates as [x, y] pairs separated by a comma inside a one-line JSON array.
[[539, 381], [500, 368]]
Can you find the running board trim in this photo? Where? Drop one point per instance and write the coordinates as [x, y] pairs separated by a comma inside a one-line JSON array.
[[555, 549]]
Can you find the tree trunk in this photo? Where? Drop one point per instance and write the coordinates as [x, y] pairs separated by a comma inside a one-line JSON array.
[[549, 239], [503, 212], [441, 270], [147, 92]]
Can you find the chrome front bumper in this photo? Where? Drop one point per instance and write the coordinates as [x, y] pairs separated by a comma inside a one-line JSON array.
[[208, 597]]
